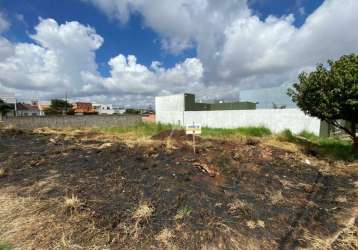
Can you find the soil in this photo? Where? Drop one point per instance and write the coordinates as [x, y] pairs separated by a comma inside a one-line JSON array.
[[236, 194]]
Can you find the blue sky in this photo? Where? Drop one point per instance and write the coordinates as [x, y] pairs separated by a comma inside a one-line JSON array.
[[131, 38], [213, 48]]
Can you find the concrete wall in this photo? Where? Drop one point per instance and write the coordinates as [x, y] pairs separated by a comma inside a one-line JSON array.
[[86, 121], [276, 120], [170, 109]]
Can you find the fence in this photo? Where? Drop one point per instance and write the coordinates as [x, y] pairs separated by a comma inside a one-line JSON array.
[[276, 120], [92, 121]]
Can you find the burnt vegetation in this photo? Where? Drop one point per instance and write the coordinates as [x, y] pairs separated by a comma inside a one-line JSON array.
[[92, 190]]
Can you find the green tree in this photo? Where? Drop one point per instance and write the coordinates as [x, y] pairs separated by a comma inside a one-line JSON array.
[[331, 93], [59, 107], [4, 107]]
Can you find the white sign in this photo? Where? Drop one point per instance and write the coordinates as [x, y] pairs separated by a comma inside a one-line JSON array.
[[193, 129]]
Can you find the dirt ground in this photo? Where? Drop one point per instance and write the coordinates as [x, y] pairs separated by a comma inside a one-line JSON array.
[[85, 190]]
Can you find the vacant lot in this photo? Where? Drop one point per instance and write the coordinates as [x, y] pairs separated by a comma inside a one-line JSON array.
[[94, 190]]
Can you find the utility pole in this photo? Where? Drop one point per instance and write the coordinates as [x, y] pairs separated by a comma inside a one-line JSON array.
[[66, 101]]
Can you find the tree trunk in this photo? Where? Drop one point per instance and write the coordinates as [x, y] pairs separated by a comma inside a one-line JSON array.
[[355, 143], [354, 136]]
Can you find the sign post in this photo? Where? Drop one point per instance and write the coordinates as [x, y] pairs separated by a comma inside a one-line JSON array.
[[193, 129]]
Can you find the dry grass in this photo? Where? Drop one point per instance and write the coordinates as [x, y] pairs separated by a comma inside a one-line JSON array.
[[277, 198], [165, 236], [143, 212], [29, 223], [239, 206], [228, 238], [348, 239], [182, 213], [72, 203], [255, 224]]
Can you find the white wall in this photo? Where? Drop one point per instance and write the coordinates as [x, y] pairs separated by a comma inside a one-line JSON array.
[[276, 120], [170, 109]]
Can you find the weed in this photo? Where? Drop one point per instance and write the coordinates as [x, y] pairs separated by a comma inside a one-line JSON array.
[[3, 172], [72, 203], [286, 135], [165, 236], [335, 148], [241, 131], [4, 246], [143, 212], [308, 135], [182, 213], [239, 205]]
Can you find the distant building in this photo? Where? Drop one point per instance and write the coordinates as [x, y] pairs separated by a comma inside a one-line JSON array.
[[83, 108], [103, 109], [191, 105], [119, 110], [10, 99], [42, 108], [25, 109]]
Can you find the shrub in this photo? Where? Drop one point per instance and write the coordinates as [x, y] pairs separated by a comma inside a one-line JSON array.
[[226, 132], [286, 135]]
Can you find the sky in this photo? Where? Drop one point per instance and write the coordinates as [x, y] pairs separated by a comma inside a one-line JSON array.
[[126, 52]]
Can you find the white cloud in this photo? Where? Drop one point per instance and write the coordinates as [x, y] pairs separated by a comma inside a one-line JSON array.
[[62, 59], [237, 48], [4, 24], [129, 77], [56, 59]]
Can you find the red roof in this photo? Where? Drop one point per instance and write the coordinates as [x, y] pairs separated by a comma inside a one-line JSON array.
[[25, 106]]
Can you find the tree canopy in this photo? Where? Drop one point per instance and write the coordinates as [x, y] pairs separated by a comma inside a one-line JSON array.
[[330, 93], [59, 107], [4, 107]]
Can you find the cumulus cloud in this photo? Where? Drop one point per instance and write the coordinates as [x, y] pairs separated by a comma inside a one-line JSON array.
[[239, 49], [62, 59], [235, 50], [129, 77]]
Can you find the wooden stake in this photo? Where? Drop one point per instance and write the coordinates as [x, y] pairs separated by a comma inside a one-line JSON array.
[[194, 142]]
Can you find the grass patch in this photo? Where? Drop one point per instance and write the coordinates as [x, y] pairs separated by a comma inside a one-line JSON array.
[[309, 136], [246, 131], [335, 148], [4, 246], [286, 135], [140, 129]]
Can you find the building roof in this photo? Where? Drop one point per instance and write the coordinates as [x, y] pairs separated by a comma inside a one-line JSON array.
[[25, 106]]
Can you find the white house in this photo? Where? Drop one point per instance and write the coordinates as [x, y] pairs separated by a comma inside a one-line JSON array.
[[103, 109]]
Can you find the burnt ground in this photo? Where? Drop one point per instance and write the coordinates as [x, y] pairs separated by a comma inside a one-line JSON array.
[[150, 194]]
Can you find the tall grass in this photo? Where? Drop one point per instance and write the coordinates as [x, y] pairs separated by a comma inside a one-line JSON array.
[[246, 131], [335, 148], [140, 129]]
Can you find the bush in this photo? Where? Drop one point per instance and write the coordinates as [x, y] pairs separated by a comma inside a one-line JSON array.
[[308, 135], [246, 131], [286, 135]]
